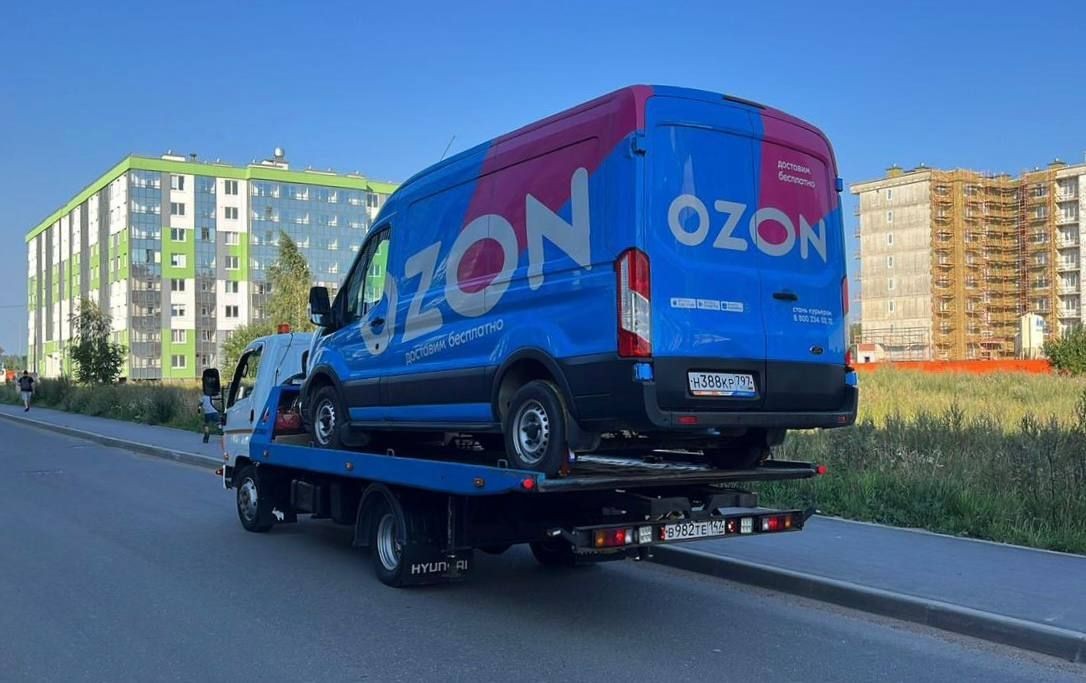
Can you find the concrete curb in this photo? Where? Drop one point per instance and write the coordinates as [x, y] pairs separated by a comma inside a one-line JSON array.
[[1027, 635], [114, 442]]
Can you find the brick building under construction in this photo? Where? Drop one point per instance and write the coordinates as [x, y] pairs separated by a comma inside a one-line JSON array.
[[950, 261]]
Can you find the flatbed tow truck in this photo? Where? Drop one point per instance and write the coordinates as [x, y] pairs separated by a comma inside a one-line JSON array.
[[423, 517]]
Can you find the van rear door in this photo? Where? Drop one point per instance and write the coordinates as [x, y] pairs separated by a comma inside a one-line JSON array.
[[801, 258], [708, 331]]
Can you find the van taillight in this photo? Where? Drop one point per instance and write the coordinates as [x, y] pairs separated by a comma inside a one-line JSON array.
[[844, 294], [634, 305]]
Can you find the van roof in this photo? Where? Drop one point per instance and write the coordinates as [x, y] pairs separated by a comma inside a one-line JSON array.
[[628, 102]]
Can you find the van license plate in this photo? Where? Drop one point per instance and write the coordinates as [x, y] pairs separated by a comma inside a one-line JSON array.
[[685, 530], [722, 384]]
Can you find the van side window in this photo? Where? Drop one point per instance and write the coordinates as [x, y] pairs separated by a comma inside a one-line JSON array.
[[366, 285], [375, 275], [244, 377]]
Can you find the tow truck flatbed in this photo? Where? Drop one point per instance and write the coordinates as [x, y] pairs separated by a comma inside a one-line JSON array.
[[424, 516]]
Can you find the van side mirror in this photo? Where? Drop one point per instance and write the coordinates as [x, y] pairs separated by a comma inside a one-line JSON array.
[[320, 308], [210, 382]]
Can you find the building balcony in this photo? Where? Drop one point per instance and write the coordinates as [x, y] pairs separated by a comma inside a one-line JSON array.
[[1065, 266], [1068, 289], [1066, 220], [1068, 197]]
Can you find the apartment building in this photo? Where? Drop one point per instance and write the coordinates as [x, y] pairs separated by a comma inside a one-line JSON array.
[[951, 260], [177, 251]]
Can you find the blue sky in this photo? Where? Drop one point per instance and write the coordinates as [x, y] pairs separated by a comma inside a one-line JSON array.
[[382, 88]]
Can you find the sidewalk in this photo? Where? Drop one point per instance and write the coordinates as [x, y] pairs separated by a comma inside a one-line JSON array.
[[124, 433], [1033, 586]]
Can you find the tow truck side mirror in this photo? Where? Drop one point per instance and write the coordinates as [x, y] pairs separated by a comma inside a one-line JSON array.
[[320, 307], [210, 382]]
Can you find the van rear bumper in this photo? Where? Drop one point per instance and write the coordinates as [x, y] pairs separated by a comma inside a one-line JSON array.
[[606, 396]]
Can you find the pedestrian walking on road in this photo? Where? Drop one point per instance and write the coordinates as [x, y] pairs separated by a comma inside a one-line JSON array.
[[26, 389], [211, 416]]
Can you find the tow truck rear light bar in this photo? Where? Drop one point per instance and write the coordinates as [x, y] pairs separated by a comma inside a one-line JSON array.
[[744, 523]]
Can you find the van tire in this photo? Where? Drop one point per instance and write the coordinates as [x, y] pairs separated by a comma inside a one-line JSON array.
[[536, 428], [737, 458], [326, 418]]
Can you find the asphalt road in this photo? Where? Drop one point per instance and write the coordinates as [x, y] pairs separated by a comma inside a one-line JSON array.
[[115, 566]]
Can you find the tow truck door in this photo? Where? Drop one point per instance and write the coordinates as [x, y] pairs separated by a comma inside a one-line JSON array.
[[241, 402]]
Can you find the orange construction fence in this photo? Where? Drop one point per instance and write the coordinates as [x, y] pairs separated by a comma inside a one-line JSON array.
[[974, 367]]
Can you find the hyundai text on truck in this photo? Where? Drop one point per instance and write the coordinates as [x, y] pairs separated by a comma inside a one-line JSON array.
[[659, 267]]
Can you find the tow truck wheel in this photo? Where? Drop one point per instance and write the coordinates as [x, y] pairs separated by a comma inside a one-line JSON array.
[[254, 509], [327, 418], [388, 549], [553, 552], [536, 433]]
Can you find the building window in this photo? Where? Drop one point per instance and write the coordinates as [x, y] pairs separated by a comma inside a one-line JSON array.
[[233, 238], [231, 312], [333, 268], [230, 187], [207, 335], [889, 216], [891, 284], [178, 260], [1040, 212], [177, 285], [177, 362], [230, 212], [889, 194], [205, 234], [944, 306], [889, 261], [177, 310], [177, 182], [892, 307], [177, 208], [177, 234], [179, 336], [232, 287], [890, 238], [233, 262]]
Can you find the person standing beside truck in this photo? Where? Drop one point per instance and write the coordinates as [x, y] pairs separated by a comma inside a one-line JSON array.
[[211, 416], [26, 389]]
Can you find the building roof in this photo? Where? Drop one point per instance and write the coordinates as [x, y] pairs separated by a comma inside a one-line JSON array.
[[217, 170]]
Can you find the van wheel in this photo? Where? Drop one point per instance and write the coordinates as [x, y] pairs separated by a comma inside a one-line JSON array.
[[327, 417], [536, 429], [737, 458]]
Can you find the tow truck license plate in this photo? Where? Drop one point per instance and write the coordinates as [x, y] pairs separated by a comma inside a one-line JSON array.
[[684, 530], [722, 384]]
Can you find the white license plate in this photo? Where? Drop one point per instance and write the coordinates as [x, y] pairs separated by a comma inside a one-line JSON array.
[[683, 530], [722, 384]]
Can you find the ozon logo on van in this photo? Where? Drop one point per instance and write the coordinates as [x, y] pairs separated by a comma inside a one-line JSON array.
[[772, 231], [487, 231]]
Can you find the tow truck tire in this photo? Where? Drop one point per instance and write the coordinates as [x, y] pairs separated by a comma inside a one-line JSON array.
[[326, 418], [536, 429], [553, 552], [387, 549], [254, 508]]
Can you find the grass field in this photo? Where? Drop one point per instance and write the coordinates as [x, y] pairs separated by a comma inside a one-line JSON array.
[[1001, 457]]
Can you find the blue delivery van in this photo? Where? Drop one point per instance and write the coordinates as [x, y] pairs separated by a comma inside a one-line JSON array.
[[656, 268]]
